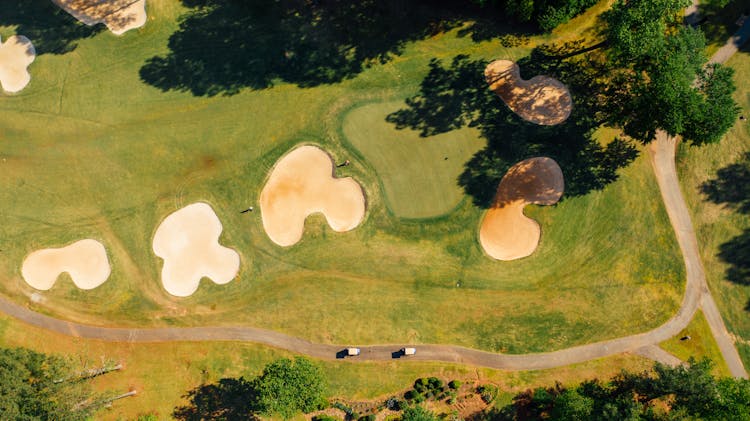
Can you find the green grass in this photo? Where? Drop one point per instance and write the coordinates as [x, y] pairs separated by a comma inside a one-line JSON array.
[[716, 224], [163, 373], [91, 151], [418, 173], [700, 345]]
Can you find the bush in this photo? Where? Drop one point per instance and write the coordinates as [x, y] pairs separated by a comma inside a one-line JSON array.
[[325, 417], [394, 404], [454, 384], [411, 394], [487, 392], [434, 383], [370, 417]]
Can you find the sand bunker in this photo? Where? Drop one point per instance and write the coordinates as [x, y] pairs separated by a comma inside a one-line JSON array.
[[541, 99], [16, 54], [302, 183], [188, 241], [119, 15], [506, 233], [85, 261]]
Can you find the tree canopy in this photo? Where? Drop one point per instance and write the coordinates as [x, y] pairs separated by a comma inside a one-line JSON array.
[[666, 393], [34, 386]]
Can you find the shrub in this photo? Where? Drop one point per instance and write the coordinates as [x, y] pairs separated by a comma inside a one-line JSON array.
[[487, 392], [434, 383], [454, 384], [411, 394], [394, 404], [370, 417], [325, 417]]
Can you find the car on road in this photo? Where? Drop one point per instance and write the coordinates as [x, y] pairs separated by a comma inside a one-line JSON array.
[[353, 352], [408, 351]]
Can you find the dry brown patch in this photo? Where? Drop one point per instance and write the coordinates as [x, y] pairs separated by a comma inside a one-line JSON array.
[[188, 241], [16, 54], [303, 183], [85, 261], [541, 99], [506, 233], [119, 15]]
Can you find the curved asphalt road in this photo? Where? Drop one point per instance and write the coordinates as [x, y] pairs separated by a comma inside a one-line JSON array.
[[662, 152]]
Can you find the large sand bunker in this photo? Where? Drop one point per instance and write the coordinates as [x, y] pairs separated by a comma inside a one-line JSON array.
[[302, 183], [85, 261], [188, 241], [541, 99], [119, 15], [506, 233], [16, 54]]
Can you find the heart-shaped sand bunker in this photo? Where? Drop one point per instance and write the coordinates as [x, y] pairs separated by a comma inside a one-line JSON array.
[[188, 241], [506, 233], [303, 183], [119, 15], [16, 54], [85, 261], [541, 99]]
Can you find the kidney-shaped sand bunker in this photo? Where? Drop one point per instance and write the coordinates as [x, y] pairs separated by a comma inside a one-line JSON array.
[[541, 99], [188, 241], [85, 261], [16, 54], [506, 233], [303, 183], [119, 15]]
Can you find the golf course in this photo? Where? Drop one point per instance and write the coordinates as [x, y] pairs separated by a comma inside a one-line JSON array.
[[214, 183]]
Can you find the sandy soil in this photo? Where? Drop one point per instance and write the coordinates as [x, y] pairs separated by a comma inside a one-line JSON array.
[[16, 54], [506, 233], [85, 261], [119, 15], [303, 183], [188, 241], [541, 99]]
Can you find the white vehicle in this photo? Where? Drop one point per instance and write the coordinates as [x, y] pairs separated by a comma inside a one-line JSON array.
[[408, 351], [353, 351]]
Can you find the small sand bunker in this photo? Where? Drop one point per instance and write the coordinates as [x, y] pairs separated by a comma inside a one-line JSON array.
[[119, 15], [85, 261], [506, 233], [188, 241], [302, 183], [16, 54], [541, 99]]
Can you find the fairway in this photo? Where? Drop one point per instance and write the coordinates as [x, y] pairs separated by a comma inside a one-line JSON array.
[[77, 163], [418, 173]]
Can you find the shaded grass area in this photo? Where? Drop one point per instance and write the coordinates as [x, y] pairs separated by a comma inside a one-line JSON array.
[[77, 163], [417, 173], [711, 186], [719, 20], [163, 373], [701, 344]]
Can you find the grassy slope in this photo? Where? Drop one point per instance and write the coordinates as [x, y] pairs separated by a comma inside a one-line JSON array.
[[162, 373], [715, 224], [701, 344], [80, 163]]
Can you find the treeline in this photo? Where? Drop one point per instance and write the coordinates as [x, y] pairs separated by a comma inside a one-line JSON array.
[[546, 14]]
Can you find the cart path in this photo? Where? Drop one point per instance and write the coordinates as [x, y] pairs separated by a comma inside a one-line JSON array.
[[661, 152]]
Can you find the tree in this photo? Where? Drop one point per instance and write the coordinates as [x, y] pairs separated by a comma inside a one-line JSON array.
[[659, 66], [287, 387], [228, 399], [32, 387]]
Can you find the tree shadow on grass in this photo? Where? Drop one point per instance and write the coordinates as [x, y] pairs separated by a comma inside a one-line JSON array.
[[51, 29], [457, 96], [228, 399], [223, 46], [731, 187]]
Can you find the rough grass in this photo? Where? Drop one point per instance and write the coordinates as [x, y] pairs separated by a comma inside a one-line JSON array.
[[163, 373], [91, 151], [700, 345], [716, 224]]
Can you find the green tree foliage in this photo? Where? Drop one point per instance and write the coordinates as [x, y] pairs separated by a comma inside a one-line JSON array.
[[666, 393], [287, 387], [658, 66], [35, 386], [546, 14], [418, 413]]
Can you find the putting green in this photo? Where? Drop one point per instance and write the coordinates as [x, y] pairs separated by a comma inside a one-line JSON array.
[[418, 180]]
